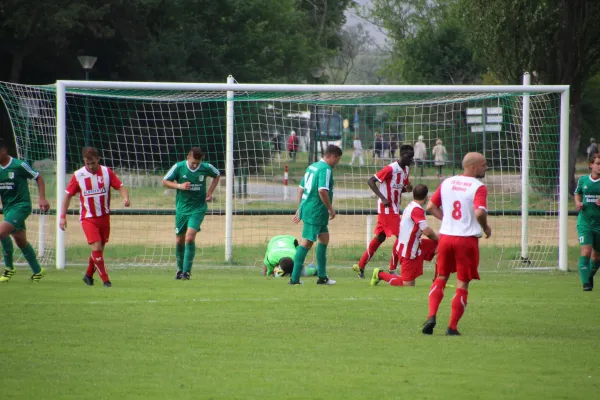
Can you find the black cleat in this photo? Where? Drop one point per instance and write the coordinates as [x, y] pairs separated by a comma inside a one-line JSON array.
[[428, 326], [186, 276], [179, 275], [88, 280], [452, 332], [107, 284], [591, 281], [587, 287], [359, 271]]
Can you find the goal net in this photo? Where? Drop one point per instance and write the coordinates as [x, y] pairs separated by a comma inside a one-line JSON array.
[[141, 130]]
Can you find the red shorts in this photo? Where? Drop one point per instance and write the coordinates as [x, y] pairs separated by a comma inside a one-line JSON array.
[[411, 269], [388, 224], [458, 254], [96, 229]]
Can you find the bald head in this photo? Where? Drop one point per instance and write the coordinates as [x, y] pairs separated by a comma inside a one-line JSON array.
[[474, 165]]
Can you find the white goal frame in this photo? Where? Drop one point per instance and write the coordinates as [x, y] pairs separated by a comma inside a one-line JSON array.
[[230, 88]]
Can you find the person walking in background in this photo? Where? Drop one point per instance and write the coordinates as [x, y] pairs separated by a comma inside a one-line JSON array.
[[93, 182], [16, 206], [439, 156], [276, 145], [377, 146], [420, 154], [292, 145], [358, 151], [592, 148], [393, 146], [460, 202]]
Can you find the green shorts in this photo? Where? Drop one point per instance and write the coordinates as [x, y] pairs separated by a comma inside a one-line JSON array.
[[311, 232], [183, 222], [17, 217], [589, 236]]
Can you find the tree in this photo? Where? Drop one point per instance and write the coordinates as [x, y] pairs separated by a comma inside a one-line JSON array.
[[355, 41], [559, 39]]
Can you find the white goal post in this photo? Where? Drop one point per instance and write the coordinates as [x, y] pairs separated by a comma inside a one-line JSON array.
[[232, 91]]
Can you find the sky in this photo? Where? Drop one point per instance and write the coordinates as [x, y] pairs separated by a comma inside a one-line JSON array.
[[353, 19]]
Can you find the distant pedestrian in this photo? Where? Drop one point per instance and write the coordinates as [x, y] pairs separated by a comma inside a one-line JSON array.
[[293, 145], [592, 148], [358, 151], [439, 156], [420, 154], [377, 146]]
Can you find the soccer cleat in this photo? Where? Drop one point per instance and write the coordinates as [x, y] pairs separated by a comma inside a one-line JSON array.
[[429, 325], [359, 271], [295, 283], [8, 273], [394, 272], [38, 276], [587, 287], [325, 281], [88, 280], [179, 275], [107, 284], [591, 281], [375, 278], [186, 276], [452, 332]]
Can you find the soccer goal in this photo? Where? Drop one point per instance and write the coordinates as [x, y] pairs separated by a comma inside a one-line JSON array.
[[246, 130]]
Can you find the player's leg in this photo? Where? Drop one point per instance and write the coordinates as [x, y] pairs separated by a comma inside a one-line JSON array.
[[380, 236], [20, 236], [467, 263], [7, 250], [323, 241], [181, 223], [97, 231], [586, 241], [193, 227], [446, 264], [595, 260], [309, 236]]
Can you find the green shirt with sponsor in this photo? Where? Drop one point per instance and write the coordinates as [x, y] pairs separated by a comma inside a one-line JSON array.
[[279, 247], [589, 190], [318, 176], [14, 189], [192, 201]]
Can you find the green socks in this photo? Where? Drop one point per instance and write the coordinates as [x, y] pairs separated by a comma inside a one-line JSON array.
[[301, 253], [7, 251], [584, 269], [179, 254], [595, 266], [188, 258], [322, 260], [29, 255]]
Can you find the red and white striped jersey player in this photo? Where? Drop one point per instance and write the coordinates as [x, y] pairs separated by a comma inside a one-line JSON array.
[[393, 181], [93, 182], [461, 203], [411, 249]]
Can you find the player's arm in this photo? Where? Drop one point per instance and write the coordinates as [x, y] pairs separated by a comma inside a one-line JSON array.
[[372, 182], [44, 205], [124, 195], [430, 233], [480, 204], [296, 217], [578, 196], [212, 187], [170, 180], [434, 205], [62, 224], [324, 196]]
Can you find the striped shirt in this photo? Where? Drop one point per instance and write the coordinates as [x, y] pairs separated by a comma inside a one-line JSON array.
[[392, 179], [94, 190]]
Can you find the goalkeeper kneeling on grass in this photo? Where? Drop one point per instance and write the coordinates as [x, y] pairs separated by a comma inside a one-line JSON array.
[[279, 258]]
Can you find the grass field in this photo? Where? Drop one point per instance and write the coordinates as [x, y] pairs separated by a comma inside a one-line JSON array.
[[232, 334]]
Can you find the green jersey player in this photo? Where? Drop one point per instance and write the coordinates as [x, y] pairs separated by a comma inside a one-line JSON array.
[[189, 179], [16, 204], [587, 202], [279, 258], [315, 196]]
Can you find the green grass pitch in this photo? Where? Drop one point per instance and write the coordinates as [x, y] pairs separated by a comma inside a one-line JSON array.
[[232, 334]]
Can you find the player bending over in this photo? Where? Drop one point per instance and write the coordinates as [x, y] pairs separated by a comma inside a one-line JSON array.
[[279, 258], [411, 249], [188, 177], [393, 181]]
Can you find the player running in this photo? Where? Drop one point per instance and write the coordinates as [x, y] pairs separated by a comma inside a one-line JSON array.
[[463, 199], [587, 202], [393, 181], [411, 249], [16, 205], [188, 177]]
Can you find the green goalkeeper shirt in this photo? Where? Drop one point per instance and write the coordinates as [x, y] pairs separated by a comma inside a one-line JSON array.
[[192, 201], [318, 176], [589, 190], [279, 247], [14, 189]]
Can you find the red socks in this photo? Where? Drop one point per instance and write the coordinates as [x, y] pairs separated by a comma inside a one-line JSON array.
[[392, 279], [373, 246], [459, 303], [99, 263], [91, 268], [395, 257], [436, 294]]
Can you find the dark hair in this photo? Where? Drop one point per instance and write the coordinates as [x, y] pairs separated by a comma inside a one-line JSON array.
[[89, 152], [3, 144], [196, 153], [333, 150], [420, 192], [593, 157], [406, 147], [287, 265]]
